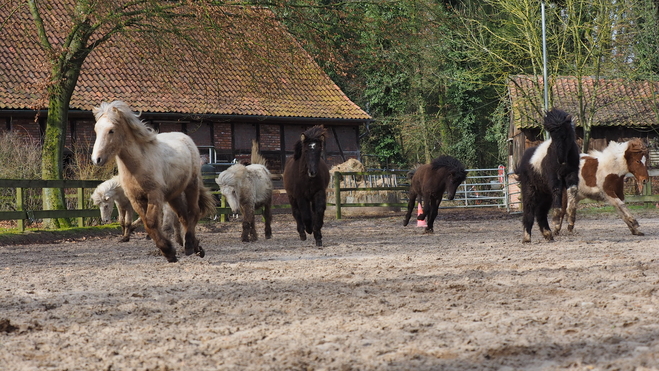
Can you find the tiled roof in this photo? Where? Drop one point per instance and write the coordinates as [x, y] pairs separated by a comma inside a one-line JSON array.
[[254, 67], [619, 102]]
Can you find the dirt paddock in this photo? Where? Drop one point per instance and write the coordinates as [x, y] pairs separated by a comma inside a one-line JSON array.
[[377, 296]]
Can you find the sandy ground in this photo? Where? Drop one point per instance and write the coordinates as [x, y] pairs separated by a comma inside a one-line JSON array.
[[377, 296]]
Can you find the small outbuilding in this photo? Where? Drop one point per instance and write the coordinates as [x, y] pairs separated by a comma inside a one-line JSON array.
[[620, 110]]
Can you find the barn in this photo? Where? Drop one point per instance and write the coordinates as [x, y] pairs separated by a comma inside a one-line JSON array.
[[240, 77], [620, 110]]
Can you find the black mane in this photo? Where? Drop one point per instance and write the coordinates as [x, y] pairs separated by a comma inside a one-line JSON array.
[[449, 162], [315, 133]]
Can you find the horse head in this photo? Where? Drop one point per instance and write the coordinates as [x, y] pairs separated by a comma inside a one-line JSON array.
[[310, 149], [452, 171], [114, 122], [228, 181], [636, 156], [455, 177], [561, 130]]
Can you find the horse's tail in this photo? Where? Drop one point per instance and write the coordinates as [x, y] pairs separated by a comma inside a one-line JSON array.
[[206, 202], [256, 156]]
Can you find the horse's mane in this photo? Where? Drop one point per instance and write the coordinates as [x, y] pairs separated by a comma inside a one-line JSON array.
[[106, 189], [637, 145], [558, 120], [118, 111], [315, 133], [448, 162], [229, 176]]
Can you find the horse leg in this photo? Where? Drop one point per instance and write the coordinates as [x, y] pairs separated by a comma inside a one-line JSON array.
[[626, 216], [267, 215], [306, 216], [559, 214], [528, 207], [410, 207], [298, 218], [541, 216], [426, 208], [151, 214], [187, 208], [319, 204], [248, 223], [125, 226], [572, 200], [432, 214]]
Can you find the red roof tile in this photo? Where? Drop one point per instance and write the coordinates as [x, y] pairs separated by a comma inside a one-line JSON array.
[[619, 102], [253, 67]]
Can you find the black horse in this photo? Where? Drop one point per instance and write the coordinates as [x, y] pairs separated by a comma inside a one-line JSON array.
[[306, 177], [443, 174], [546, 170]]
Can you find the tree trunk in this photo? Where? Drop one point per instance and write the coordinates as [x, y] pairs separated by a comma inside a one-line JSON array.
[[52, 167]]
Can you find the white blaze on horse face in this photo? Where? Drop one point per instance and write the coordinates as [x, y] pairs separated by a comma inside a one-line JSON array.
[[643, 160], [104, 144]]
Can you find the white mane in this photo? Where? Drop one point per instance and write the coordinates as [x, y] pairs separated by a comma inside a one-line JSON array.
[[107, 191], [118, 111]]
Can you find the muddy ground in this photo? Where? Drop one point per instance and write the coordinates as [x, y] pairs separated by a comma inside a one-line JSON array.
[[377, 296]]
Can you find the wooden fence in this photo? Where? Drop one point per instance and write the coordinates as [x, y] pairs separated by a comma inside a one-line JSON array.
[[397, 182]]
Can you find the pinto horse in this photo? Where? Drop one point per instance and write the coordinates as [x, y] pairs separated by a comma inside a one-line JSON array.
[[602, 176], [154, 169], [306, 177], [546, 170], [430, 181]]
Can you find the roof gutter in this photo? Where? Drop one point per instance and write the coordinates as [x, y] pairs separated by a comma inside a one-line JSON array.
[[198, 117]]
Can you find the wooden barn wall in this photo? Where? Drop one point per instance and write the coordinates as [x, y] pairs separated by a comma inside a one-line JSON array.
[[221, 141]]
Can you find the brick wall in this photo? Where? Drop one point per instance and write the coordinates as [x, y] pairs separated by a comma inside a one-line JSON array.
[[222, 136], [26, 128], [270, 138]]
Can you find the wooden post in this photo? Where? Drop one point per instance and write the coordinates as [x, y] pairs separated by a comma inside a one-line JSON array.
[[81, 205], [19, 207], [223, 204], [337, 194]]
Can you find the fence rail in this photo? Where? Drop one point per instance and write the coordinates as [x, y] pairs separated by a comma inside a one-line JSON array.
[[484, 188]]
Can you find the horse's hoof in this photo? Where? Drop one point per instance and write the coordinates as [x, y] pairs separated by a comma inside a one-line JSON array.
[[172, 259], [268, 236], [303, 237], [421, 217], [124, 239], [201, 253], [428, 231], [319, 243], [637, 233]]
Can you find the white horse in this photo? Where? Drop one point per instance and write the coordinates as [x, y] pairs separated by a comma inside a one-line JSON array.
[[110, 193], [105, 196], [154, 169], [246, 189]]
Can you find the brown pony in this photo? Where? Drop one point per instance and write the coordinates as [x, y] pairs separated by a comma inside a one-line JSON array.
[[306, 177], [602, 176], [430, 181]]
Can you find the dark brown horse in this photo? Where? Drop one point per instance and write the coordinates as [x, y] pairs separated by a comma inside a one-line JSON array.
[[546, 170], [306, 177], [430, 181]]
